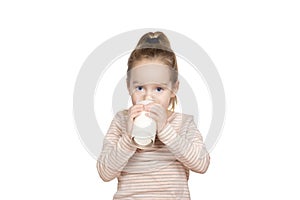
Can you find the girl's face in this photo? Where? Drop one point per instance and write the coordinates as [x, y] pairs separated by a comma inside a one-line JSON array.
[[151, 80]]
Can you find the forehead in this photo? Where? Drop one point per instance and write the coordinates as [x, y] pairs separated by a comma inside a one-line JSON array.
[[146, 61], [150, 73]]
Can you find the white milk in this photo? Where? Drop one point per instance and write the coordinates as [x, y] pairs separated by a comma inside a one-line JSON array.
[[144, 129]]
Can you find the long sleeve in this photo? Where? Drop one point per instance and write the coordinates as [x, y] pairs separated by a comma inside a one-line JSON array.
[[186, 144], [117, 150]]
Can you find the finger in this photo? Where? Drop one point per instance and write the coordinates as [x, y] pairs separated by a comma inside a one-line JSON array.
[[138, 106], [153, 116], [135, 108], [157, 116], [149, 105], [135, 113], [153, 106], [158, 110]]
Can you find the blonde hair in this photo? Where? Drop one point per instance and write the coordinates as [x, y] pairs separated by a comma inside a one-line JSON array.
[[155, 46]]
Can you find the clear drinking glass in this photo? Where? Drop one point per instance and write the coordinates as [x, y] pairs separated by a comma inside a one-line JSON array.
[[144, 129]]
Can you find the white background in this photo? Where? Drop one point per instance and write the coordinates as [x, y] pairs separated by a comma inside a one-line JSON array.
[[254, 45]]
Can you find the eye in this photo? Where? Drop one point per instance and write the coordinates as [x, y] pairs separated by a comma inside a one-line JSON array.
[[159, 89], [139, 88]]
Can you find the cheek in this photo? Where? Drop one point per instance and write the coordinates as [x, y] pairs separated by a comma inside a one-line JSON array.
[[164, 101], [135, 98]]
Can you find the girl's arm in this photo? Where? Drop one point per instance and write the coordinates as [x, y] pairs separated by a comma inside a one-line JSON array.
[[188, 146], [117, 150]]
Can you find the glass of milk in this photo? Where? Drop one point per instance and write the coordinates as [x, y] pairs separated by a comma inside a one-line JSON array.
[[144, 129]]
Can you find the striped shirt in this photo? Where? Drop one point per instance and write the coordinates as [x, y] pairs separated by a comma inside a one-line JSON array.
[[158, 172]]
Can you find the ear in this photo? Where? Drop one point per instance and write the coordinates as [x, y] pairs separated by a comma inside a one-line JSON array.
[[175, 89]]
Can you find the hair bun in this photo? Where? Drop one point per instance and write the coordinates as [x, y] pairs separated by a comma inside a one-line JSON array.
[[155, 40], [152, 40]]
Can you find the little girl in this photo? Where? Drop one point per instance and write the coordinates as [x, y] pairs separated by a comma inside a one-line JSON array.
[[160, 171]]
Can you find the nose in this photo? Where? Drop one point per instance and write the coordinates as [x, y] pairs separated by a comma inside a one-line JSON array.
[[149, 95]]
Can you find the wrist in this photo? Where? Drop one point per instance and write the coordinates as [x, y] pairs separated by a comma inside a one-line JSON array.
[[128, 142], [167, 134], [162, 127]]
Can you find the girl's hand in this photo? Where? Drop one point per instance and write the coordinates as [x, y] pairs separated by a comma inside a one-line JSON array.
[[133, 112], [158, 114]]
